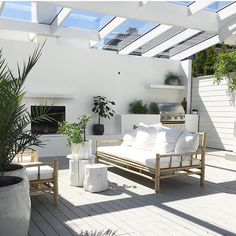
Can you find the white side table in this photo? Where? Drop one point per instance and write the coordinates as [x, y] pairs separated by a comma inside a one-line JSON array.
[[95, 179], [77, 168]]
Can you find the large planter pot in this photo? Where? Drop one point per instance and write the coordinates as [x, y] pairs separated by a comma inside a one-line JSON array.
[[14, 206], [82, 150], [18, 171], [98, 129]]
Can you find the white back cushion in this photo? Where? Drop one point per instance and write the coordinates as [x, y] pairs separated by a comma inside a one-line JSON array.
[[129, 137], [166, 140], [187, 142], [146, 136]]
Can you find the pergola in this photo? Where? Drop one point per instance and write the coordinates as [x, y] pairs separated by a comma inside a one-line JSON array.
[[174, 30]]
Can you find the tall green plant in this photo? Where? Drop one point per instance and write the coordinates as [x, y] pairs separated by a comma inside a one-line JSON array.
[[103, 107], [15, 135]]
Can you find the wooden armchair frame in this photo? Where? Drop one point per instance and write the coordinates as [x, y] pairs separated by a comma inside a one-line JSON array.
[[158, 173], [34, 156], [42, 185]]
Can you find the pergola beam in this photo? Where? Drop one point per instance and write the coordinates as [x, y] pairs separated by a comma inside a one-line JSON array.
[[171, 42], [198, 6], [144, 39], [58, 21], [160, 12], [197, 48], [112, 25], [46, 29]]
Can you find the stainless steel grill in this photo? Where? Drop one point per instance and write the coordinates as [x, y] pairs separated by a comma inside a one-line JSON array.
[[171, 113]]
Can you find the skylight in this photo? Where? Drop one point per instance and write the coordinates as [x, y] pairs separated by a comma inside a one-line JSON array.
[[217, 6], [183, 3], [85, 20], [125, 34], [17, 11]]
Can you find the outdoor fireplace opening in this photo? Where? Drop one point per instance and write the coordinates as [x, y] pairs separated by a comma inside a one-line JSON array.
[[48, 127]]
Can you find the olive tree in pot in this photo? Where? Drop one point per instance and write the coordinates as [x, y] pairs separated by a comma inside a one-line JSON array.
[[15, 137], [102, 106], [76, 136]]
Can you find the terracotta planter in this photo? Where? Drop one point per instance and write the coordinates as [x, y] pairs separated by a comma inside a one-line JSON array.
[[15, 206]]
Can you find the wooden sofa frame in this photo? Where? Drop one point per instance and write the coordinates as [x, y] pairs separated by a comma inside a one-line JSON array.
[[158, 173]]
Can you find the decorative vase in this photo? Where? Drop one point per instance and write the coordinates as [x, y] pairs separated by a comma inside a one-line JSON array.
[[15, 206], [85, 150], [75, 148], [98, 129]]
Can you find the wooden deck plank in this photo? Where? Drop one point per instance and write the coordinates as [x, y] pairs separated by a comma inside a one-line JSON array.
[[131, 206]]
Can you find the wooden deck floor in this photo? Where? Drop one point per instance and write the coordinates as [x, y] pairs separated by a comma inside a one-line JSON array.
[[131, 206]]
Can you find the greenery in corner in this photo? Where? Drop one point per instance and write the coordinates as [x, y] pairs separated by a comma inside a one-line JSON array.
[[103, 107], [15, 135], [172, 79], [225, 68], [205, 60], [137, 107], [75, 132]]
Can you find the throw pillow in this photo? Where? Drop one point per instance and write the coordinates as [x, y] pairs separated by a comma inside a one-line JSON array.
[[129, 137], [166, 140], [187, 142], [146, 136]]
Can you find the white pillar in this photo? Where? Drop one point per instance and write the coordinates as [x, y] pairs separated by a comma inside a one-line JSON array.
[[187, 68]]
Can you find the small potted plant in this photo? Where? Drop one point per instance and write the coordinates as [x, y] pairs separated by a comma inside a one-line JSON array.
[[76, 136], [173, 79], [103, 107], [138, 107]]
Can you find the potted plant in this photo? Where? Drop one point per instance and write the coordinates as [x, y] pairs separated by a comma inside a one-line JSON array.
[[15, 137], [76, 136], [102, 107], [138, 107], [172, 79], [225, 68]]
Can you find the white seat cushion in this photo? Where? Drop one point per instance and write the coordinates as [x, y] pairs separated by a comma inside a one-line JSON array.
[[46, 172], [146, 136], [166, 140], [187, 142], [143, 157]]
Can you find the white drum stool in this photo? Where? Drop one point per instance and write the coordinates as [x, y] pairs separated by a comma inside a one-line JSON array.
[[95, 178]]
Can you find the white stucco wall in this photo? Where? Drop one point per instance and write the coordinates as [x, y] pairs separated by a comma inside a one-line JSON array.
[[83, 73]]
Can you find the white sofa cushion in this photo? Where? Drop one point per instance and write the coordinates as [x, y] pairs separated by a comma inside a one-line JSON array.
[[166, 140], [143, 157], [146, 136], [187, 142], [129, 137], [46, 172]]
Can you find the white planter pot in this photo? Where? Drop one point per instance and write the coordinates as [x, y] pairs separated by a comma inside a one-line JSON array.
[[15, 207], [82, 150], [21, 172]]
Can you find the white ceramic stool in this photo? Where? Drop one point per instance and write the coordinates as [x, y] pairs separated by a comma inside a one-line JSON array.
[[95, 178]]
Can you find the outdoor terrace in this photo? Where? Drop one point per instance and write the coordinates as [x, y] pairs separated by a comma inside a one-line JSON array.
[[131, 206]]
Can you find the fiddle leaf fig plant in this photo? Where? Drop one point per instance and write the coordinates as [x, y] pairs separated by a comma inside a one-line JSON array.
[[103, 107], [15, 120], [225, 68]]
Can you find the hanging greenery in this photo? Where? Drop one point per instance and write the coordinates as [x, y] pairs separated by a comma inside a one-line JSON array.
[[225, 68]]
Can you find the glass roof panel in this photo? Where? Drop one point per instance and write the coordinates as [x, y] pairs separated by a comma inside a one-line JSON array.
[[217, 6], [47, 17], [183, 3], [125, 34], [86, 20], [17, 11]]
